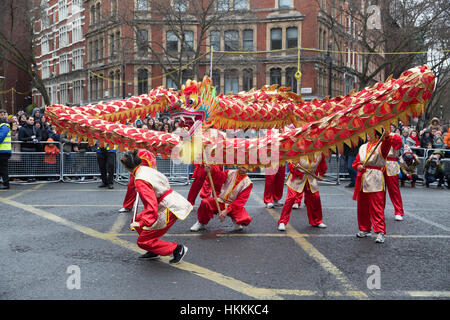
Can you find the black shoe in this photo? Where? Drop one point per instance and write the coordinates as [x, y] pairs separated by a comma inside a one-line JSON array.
[[110, 186], [102, 185], [149, 256], [4, 187], [178, 254], [351, 185]]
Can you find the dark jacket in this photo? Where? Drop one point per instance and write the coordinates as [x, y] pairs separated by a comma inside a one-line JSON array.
[[25, 134]]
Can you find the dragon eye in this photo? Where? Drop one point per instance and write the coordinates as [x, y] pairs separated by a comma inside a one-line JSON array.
[[191, 101]]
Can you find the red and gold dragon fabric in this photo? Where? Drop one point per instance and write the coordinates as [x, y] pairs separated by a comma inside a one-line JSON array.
[[322, 126]]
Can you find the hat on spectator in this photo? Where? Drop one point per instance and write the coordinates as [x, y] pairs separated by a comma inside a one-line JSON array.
[[440, 152], [407, 149], [148, 158]]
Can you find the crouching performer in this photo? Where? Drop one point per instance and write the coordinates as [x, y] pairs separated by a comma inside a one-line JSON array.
[[235, 188], [162, 208]]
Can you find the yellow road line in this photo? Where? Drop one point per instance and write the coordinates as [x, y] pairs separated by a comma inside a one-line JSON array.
[[223, 280], [317, 256], [119, 223], [26, 191]]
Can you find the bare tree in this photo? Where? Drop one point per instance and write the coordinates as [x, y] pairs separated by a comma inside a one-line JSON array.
[[408, 28], [16, 48], [183, 26]]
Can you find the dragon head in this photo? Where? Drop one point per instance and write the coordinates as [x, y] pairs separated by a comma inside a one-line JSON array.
[[195, 106]]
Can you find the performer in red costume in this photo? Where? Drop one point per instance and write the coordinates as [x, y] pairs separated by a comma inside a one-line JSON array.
[[391, 171], [369, 187], [273, 188], [235, 188], [200, 185], [148, 159], [300, 183], [162, 208]]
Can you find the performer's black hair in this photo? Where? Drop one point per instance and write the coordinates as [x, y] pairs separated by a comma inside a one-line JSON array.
[[130, 159]]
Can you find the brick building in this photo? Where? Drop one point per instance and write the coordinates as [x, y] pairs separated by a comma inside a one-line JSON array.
[[127, 45]]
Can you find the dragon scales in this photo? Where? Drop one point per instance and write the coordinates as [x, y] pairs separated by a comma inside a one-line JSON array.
[[316, 126]]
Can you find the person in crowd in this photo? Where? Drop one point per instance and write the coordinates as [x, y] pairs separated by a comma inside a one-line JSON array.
[[106, 157], [38, 127], [405, 134], [438, 141], [235, 188], [408, 167], [447, 139], [36, 114], [151, 124], [434, 169], [29, 134], [23, 119], [435, 124], [5, 148], [412, 140], [167, 128], [52, 133], [426, 138], [15, 146], [68, 156], [349, 156], [51, 152]]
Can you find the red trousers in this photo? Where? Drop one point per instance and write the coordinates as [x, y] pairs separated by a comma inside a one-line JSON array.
[[312, 202], [370, 211], [206, 190], [208, 208], [148, 240], [274, 184], [394, 193], [130, 196]]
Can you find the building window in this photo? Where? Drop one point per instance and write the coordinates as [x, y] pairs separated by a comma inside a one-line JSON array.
[[179, 5], [77, 31], [45, 69], [223, 5], [114, 7], [170, 83], [117, 83], [142, 81], [247, 79], [99, 12], [240, 4], [215, 40], [231, 81], [284, 3], [62, 10], [275, 76], [64, 63], [77, 6], [142, 5], [64, 93], [171, 41], [186, 75], [349, 83], [45, 47], [291, 81], [92, 15], [77, 59], [275, 39], [77, 92], [231, 40], [216, 79], [292, 37], [142, 41], [63, 36], [188, 41], [248, 40]]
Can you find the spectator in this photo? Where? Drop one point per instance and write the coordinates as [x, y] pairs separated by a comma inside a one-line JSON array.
[[106, 162], [15, 147], [5, 148], [412, 140], [349, 156], [52, 133], [426, 138], [408, 167], [447, 139], [434, 169], [51, 151], [405, 134], [29, 135], [23, 119], [36, 115], [438, 141], [68, 149], [167, 128], [151, 124], [435, 124], [38, 127]]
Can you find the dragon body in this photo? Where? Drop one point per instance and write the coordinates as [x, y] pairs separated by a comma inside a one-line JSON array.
[[316, 126]]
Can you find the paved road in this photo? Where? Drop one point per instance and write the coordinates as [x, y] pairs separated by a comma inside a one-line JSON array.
[[49, 233]]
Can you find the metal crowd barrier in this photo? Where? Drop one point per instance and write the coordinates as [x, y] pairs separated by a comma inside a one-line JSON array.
[[83, 166]]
